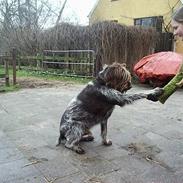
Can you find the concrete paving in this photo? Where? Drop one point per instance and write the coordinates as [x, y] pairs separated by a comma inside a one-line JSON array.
[[147, 141]]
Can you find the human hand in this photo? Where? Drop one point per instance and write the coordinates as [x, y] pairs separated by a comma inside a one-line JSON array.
[[180, 84]]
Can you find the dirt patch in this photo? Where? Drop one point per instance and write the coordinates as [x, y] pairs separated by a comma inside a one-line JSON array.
[[41, 83], [142, 149], [38, 83], [147, 152], [94, 180]]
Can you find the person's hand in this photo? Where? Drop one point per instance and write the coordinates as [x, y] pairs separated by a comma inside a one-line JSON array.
[[180, 84], [157, 92]]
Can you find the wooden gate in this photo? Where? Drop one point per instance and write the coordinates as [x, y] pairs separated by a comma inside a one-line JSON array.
[[4, 63], [80, 63], [7, 60]]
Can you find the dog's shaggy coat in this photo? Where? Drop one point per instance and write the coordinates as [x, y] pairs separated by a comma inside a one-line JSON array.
[[94, 105]]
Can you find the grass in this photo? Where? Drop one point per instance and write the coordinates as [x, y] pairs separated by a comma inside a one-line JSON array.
[[48, 76], [39, 75], [9, 88]]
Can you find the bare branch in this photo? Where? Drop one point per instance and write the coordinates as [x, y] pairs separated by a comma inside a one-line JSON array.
[[60, 13]]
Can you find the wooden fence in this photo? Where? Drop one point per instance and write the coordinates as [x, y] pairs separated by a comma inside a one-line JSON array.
[[7, 60], [70, 62], [75, 63]]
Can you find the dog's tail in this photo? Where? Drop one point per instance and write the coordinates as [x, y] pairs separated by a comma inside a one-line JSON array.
[[60, 138]]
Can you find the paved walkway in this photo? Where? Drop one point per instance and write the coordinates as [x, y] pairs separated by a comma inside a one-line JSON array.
[[147, 141]]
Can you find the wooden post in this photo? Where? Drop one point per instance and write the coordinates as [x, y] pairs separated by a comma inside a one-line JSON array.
[[6, 70], [94, 64], [14, 65], [19, 63], [43, 58], [98, 65], [66, 59], [90, 62], [38, 62]]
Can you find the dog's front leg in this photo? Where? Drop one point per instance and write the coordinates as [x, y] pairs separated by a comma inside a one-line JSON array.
[[87, 136], [105, 141]]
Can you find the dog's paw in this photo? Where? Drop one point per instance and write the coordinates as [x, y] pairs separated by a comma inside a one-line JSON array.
[[107, 142], [87, 138], [57, 144], [154, 96], [79, 150]]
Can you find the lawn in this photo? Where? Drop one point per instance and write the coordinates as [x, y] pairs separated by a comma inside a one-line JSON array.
[[37, 78]]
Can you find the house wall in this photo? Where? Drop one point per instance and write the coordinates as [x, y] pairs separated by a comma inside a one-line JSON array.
[[125, 11]]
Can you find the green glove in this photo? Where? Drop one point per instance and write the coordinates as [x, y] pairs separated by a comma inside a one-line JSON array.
[[172, 86]]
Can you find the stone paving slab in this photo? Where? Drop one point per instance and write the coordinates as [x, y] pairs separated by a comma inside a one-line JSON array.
[[15, 170], [147, 141], [28, 179]]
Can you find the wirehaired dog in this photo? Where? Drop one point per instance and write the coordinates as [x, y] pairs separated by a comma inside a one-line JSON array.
[[95, 104]]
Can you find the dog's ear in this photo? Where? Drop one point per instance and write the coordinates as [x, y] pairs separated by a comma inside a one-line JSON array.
[[102, 73], [105, 66]]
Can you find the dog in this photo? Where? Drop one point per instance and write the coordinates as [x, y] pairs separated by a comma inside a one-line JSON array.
[[95, 104]]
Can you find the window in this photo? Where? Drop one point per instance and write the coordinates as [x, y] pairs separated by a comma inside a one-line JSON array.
[[116, 21], [155, 22]]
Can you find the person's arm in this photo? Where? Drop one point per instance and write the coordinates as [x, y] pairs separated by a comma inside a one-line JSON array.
[[172, 86]]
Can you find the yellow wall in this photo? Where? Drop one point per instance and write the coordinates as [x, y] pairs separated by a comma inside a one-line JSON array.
[[125, 11]]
